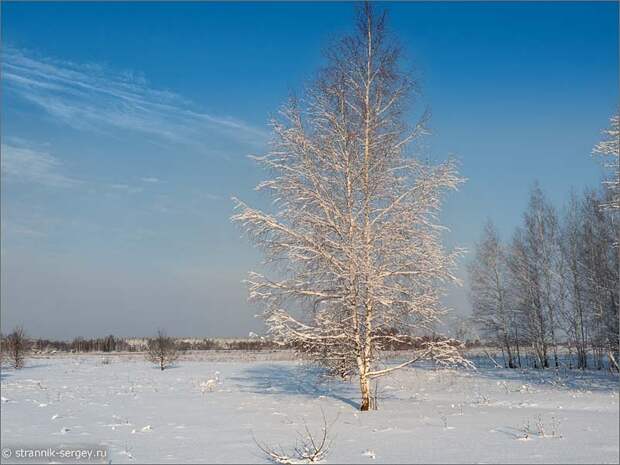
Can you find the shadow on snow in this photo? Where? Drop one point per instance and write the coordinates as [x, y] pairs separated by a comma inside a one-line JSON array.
[[299, 380]]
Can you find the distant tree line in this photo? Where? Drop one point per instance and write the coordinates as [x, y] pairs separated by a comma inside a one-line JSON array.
[[116, 344], [80, 344], [554, 284]]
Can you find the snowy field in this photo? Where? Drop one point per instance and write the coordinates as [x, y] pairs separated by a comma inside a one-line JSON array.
[[144, 415]]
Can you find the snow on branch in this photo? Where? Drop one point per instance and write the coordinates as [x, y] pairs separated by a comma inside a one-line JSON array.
[[353, 242]]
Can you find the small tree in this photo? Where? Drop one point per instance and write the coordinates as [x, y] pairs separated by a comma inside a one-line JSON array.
[[162, 350], [17, 346]]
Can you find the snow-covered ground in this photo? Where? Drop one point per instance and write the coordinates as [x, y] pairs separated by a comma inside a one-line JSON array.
[[144, 415]]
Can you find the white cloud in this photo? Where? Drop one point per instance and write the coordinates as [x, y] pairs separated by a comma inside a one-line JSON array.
[[92, 97], [28, 164], [126, 188]]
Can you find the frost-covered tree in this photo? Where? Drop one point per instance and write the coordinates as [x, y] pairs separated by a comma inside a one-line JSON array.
[[576, 313], [354, 236], [162, 350], [493, 311], [560, 279], [600, 275], [536, 268], [609, 152]]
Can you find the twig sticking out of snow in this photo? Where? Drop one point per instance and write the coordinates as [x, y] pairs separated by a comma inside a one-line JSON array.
[[540, 429], [370, 453], [210, 384], [309, 448]]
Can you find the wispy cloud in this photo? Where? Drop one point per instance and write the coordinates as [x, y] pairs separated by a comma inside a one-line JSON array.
[[126, 188], [21, 230], [29, 164], [93, 97], [26, 162]]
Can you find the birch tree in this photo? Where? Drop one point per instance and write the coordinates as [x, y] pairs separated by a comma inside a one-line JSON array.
[[542, 234], [526, 288], [493, 312], [576, 314], [536, 273], [600, 264], [354, 236]]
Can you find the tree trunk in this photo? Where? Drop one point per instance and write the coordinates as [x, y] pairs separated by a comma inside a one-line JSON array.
[[511, 363], [612, 361], [517, 344], [365, 391]]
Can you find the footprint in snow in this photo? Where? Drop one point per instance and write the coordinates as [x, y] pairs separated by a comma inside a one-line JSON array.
[[64, 430], [147, 428]]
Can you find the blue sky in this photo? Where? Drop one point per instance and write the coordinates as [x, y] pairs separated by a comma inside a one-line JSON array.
[[126, 129]]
